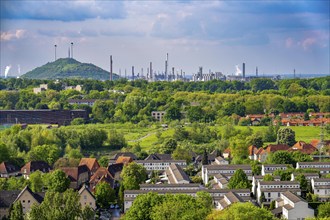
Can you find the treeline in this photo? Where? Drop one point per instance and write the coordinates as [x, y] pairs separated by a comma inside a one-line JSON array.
[[123, 101], [36, 143]]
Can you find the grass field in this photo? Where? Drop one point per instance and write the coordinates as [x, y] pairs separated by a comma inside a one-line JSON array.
[[147, 136]]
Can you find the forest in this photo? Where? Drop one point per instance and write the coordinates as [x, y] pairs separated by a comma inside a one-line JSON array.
[[133, 101]]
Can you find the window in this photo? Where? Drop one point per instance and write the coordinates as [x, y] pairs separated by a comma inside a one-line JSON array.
[[23, 201], [268, 194], [85, 197], [28, 201]]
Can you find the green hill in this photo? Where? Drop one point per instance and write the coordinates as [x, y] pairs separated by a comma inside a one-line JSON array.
[[68, 68]]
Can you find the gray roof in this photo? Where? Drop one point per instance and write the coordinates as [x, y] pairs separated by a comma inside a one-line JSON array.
[[177, 173], [292, 197], [192, 185], [313, 163], [228, 167], [8, 197], [233, 197], [287, 207], [280, 189], [279, 182], [277, 165]]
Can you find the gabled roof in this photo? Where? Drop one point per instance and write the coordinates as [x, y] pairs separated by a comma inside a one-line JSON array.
[[292, 197], [176, 172], [90, 163], [39, 197], [101, 171], [159, 157], [7, 167], [74, 172], [252, 150], [36, 165], [277, 147], [114, 168], [8, 197], [85, 188], [124, 160], [125, 154]]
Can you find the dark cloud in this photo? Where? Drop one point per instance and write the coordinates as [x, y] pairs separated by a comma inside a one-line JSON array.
[[62, 10]]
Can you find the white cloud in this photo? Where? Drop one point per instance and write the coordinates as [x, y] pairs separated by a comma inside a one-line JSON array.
[[13, 35]]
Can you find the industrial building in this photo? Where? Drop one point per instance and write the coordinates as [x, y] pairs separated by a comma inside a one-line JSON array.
[[42, 116]]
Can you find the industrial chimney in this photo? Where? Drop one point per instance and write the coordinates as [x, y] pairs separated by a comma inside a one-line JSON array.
[[111, 77]]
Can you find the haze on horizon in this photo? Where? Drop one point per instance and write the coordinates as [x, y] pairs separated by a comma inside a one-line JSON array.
[[276, 36]]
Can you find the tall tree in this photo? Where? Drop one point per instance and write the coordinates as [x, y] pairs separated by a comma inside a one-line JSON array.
[[35, 181], [286, 136], [58, 182], [239, 180], [104, 195], [205, 159], [16, 213], [324, 210], [173, 113], [241, 211], [281, 157], [133, 174], [57, 206]]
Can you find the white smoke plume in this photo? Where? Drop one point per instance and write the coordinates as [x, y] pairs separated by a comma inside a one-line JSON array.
[[238, 71], [7, 70], [19, 69]]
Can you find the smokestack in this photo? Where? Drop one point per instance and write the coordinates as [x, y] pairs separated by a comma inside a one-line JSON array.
[[133, 73], [151, 73], [125, 73], [166, 67], [19, 69], [294, 73], [71, 50], [173, 75], [256, 71], [243, 70], [7, 70], [111, 68], [55, 51]]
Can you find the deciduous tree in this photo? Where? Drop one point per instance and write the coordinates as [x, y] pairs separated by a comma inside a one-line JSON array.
[[133, 174], [239, 180]]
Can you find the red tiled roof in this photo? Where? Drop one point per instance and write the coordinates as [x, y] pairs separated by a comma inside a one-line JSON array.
[[34, 166], [124, 160], [276, 147], [252, 150], [91, 163]]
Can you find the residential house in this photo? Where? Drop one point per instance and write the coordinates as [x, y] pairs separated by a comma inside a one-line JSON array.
[[252, 151], [124, 160], [226, 153], [271, 168], [77, 175], [115, 171], [256, 179], [308, 176], [7, 198], [8, 169], [216, 194], [176, 175], [321, 187], [292, 207], [312, 165], [160, 165], [273, 189], [303, 147], [209, 171], [86, 198], [101, 175], [159, 157], [91, 163], [210, 157], [262, 154], [124, 154], [41, 88], [220, 181], [228, 199], [158, 115], [28, 198], [175, 186], [220, 161], [32, 166]]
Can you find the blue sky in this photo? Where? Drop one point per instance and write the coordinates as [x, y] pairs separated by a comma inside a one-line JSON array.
[[276, 36]]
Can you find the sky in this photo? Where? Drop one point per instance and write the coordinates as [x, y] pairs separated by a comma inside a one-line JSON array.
[[275, 36]]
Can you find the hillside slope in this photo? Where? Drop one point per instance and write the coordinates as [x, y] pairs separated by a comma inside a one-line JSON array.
[[68, 68]]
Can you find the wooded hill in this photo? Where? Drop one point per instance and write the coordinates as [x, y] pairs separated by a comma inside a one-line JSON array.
[[68, 68]]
